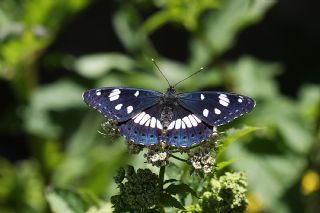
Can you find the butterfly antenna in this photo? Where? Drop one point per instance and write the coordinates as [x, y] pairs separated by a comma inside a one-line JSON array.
[[201, 69], [155, 64]]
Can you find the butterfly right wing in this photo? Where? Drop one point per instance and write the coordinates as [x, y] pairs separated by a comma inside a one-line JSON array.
[[120, 104]]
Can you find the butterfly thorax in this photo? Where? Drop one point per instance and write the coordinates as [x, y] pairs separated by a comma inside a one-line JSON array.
[[167, 103]]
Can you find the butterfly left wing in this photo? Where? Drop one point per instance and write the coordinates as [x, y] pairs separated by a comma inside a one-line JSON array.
[[144, 128], [216, 108], [120, 103]]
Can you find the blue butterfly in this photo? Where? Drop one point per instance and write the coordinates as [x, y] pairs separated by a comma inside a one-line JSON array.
[[149, 117]]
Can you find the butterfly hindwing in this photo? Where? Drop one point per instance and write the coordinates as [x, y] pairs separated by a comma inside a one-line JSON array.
[[118, 103], [216, 108], [186, 129], [144, 128]]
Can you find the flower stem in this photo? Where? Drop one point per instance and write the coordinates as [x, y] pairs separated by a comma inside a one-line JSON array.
[[161, 175], [181, 159], [161, 181]]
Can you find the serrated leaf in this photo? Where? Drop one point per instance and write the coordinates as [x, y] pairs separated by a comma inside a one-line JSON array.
[[180, 188], [233, 135], [168, 200]]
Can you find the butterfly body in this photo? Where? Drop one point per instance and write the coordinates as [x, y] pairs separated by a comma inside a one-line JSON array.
[[149, 117]]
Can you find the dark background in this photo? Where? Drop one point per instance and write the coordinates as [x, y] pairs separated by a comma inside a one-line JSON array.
[[277, 38]]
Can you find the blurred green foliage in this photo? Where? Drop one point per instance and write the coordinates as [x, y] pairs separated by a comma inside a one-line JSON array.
[[68, 153]]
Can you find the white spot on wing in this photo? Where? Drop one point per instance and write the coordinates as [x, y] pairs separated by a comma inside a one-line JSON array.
[[171, 125], [193, 121], [144, 119], [183, 125], [217, 111], [153, 122], [187, 122], [113, 98], [205, 113], [139, 117], [178, 124], [197, 119], [240, 100], [159, 126], [136, 93], [98, 93], [223, 102], [118, 107], [114, 92], [148, 122], [202, 96], [129, 109]]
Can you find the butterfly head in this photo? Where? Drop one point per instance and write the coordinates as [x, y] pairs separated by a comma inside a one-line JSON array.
[[171, 90]]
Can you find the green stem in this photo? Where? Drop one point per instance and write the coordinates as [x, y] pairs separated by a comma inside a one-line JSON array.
[[181, 159], [161, 181], [161, 175]]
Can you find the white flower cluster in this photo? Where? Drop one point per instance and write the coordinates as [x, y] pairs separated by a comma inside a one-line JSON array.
[[202, 160], [157, 157]]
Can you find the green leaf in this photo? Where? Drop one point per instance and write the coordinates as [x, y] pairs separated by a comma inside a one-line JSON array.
[[180, 188], [66, 201], [233, 135], [255, 78], [58, 96], [97, 65], [224, 164], [168, 200], [170, 181]]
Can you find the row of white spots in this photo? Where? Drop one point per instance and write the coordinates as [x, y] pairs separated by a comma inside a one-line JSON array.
[[129, 108], [205, 112], [145, 119], [187, 121], [114, 94], [224, 100]]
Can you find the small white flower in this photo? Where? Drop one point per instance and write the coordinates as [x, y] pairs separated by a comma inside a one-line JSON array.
[[155, 157], [162, 155]]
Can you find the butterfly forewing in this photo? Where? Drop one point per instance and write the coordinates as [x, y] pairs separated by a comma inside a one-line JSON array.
[[120, 104], [216, 108]]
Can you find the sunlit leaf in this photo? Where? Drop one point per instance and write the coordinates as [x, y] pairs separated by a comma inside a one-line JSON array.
[[96, 65], [232, 136], [66, 201]]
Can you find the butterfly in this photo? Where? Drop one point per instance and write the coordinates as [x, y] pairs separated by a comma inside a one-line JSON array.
[[149, 117]]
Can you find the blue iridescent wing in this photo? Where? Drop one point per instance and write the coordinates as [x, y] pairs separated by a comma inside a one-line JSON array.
[[216, 108], [144, 128], [120, 104], [186, 129]]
